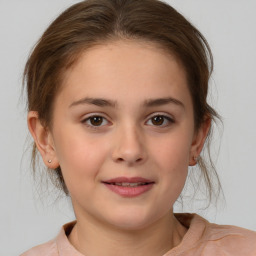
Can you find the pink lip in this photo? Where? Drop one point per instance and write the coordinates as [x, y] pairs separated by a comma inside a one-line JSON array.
[[129, 191], [126, 179]]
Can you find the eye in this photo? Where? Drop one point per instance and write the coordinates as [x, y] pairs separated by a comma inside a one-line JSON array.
[[95, 121], [160, 120]]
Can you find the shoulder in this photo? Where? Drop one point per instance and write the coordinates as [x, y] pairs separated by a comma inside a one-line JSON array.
[[46, 249], [231, 240], [205, 239], [236, 240], [58, 246]]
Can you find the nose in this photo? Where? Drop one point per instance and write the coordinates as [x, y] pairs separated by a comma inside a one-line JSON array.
[[129, 147]]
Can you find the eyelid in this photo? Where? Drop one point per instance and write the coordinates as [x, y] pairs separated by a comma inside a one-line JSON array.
[[92, 114], [86, 117], [164, 114], [169, 117], [95, 114]]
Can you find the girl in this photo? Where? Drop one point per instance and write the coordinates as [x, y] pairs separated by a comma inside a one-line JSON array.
[[117, 108]]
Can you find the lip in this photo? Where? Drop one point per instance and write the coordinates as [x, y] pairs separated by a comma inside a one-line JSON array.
[[128, 179], [129, 191]]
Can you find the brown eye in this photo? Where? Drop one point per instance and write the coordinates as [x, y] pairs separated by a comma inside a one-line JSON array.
[[158, 120], [96, 120]]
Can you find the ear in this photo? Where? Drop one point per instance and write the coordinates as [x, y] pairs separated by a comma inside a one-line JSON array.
[[43, 140], [198, 141]]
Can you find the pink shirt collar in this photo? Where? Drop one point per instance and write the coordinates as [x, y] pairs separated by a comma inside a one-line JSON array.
[[193, 222]]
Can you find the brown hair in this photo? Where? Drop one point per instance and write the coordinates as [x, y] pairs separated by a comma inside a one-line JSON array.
[[94, 22]]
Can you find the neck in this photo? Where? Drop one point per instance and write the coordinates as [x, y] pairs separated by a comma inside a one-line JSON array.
[[93, 239]]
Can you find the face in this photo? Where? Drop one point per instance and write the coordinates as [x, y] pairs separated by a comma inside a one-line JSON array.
[[123, 133]]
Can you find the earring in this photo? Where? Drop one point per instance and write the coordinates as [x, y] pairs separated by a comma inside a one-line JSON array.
[[196, 158], [49, 161]]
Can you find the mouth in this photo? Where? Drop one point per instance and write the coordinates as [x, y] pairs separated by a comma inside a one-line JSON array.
[[129, 187], [128, 184]]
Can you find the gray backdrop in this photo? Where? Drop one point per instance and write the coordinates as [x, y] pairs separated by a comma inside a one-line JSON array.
[[27, 218]]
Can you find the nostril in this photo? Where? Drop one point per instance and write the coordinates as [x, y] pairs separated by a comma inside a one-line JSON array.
[[120, 159]]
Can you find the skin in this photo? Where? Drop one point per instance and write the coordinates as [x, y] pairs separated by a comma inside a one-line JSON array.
[[127, 143]]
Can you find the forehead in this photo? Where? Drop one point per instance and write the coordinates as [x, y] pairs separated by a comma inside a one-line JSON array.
[[122, 68]]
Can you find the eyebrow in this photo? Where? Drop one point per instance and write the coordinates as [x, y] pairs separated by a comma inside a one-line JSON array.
[[94, 101], [162, 101], [110, 103]]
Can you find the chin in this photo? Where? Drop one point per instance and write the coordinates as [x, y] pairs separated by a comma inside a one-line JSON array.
[[132, 220]]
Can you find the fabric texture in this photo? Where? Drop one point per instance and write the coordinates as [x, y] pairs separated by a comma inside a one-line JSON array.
[[202, 239]]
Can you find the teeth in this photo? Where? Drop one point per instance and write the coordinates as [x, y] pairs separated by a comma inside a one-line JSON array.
[[137, 184], [127, 184]]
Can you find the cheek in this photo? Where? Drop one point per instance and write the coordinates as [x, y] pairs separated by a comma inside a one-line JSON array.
[[172, 150], [80, 157], [172, 156]]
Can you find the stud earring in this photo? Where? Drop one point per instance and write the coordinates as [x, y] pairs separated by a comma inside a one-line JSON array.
[[196, 158], [49, 161]]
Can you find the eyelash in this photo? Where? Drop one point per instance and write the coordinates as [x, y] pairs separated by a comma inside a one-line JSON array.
[[88, 123], [166, 118]]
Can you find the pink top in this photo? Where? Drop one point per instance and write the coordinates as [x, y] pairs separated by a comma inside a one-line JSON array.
[[202, 239]]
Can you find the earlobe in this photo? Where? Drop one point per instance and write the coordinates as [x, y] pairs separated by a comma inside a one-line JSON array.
[[198, 141], [43, 140]]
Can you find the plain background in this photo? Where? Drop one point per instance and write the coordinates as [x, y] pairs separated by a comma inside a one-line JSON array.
[[27, 218]]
